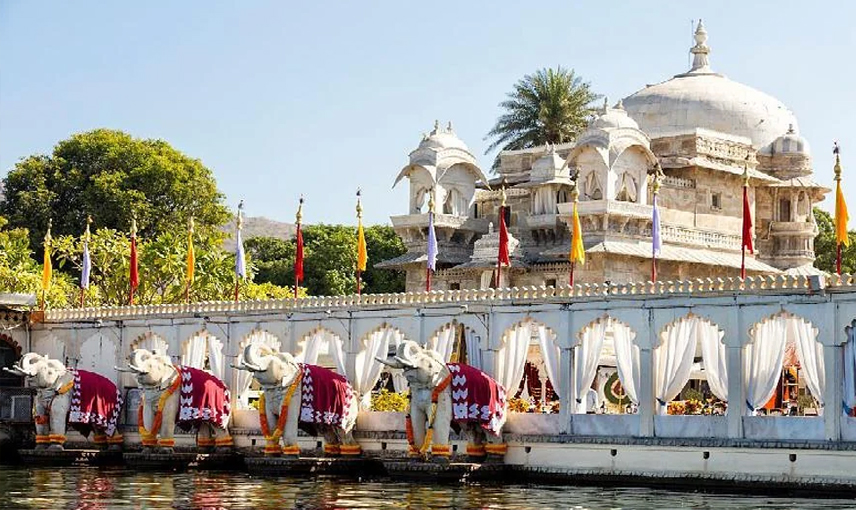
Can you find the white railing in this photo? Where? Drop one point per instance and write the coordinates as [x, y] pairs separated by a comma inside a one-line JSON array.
[[563, 293]]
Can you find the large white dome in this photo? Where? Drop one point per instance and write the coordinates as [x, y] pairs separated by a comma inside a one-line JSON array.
[[704, 99]]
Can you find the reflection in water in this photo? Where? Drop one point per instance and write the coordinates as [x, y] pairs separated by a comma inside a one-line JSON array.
[[93, 489]]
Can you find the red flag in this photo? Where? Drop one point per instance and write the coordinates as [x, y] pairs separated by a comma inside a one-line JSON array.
[[503, 239], [747, 222], [134, 274], [298, 259]]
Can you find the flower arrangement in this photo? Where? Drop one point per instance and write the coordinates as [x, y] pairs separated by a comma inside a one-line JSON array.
[[389, 401], [518, 405]]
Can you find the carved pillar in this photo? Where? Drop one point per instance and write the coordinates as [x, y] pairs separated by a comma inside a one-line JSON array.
[[646, 392], [833, 362], [736, 395]]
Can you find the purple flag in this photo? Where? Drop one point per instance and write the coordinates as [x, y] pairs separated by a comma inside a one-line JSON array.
[[655, 228], [87, 267], [432, 243]]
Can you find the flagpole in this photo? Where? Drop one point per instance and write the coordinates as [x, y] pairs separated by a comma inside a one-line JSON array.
[[191, 260], [841, 234], [86, 238], [298, 259], [360, 243], [240, 267], [47, 269]]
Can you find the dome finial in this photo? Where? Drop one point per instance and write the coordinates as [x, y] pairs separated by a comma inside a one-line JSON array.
[[701, 50], [605, 104], [436, 127], [790, 129], [449, 128]]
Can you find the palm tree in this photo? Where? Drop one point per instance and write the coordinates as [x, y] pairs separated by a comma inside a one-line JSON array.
[[550, 106]]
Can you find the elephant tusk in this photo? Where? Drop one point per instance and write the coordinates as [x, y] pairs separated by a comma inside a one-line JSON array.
[[17, 371]]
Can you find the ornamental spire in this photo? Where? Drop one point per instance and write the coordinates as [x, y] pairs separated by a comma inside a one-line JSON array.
[[701, 50]]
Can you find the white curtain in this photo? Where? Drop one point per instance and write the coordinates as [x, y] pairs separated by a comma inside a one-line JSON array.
[[216, 359], [544, 201], [474, 354], [366, 367], [626, 360], [241, 379], [762, 362], [810, 354], [673, 361], [152, 343], [456, 203], [322, 340], [551, 354], [850, 371], [444, 342], [193, 352], [511, 358], [714, 357], [586, 358]]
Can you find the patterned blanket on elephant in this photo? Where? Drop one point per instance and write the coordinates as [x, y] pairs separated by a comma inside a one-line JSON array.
[[476, 397], [202, 398], [95, 402], [326, 398]]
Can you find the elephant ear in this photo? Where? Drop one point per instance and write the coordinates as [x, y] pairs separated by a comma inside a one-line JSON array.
[[55, 365], [30, 363], [286, 357]]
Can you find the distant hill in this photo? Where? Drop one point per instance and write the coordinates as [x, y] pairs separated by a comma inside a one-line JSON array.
[[257, 226]]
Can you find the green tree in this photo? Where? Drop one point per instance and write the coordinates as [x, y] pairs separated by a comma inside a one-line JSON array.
[[111, 176], [162, 265], [330, 260], [19, 272], [825, 248], [549, 106]]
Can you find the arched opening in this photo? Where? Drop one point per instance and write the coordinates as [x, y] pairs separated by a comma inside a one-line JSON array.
[[457, 343], [205, 352], [784, 368], [10, 352], [324, 348], [607, 368], [527, 365], [690, 374], [151, 342], [244, 387], [366, 378]]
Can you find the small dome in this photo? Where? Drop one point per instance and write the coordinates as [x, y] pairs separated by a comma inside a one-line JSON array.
[[613, 118], [442, 139], [789, 143]]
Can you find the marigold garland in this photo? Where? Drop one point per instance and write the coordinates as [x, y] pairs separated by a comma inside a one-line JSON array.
[[159, 411], [283, 412]]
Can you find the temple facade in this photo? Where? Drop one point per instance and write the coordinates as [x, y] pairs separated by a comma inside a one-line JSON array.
[[698, 133]]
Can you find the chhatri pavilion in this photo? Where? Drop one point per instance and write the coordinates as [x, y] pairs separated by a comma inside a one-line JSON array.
[[700, 134]]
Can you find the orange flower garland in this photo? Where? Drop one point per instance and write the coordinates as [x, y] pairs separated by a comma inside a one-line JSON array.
[[152, 434], [283, 412]]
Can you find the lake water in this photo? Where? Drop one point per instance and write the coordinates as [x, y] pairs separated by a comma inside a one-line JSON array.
[[91, 489]]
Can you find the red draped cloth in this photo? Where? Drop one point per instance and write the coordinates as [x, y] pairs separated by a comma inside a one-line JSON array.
[[95, 403], [477, 398], [326, 398], [203, 399]]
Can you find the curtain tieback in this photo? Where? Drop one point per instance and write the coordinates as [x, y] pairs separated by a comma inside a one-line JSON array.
[[847, 409], [749, 405], [579, 401], [661, 402]]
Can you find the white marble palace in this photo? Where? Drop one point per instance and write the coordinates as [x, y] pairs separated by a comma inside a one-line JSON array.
[[702, 129]]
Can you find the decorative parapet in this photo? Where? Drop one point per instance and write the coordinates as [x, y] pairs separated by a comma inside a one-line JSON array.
[[791, 284]]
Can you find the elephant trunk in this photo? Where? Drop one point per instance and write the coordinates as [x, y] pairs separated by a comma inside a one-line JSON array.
[[138, 359], [257, 357], [28, 364]]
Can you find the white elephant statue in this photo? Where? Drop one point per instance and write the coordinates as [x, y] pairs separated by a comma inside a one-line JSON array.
[[86, 401], [299, 395], [179, 395], [445, 395]]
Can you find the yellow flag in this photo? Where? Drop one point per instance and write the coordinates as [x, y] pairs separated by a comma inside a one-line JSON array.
[[841, 217], [362, 254], [47, 270], [191, 258], [578, 251]]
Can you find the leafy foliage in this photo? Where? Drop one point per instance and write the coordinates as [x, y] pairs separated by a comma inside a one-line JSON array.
[[330, 260], [19, 272], [162, 265], [825, 248], [111, 176], [549, 106]]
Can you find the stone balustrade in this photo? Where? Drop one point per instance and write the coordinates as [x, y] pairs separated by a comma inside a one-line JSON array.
[[534, 294]]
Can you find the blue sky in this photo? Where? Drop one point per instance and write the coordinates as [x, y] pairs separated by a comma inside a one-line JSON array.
[[321, 99]]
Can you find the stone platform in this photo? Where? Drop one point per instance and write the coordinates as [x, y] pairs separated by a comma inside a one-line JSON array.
[[182, 461], [359, 467], [451, 472], [62, 458]]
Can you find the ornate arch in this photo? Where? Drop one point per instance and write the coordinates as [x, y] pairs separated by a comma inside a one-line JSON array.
[[674, 323], [605, 318], [151, 342], [8, 340], [785, 314]]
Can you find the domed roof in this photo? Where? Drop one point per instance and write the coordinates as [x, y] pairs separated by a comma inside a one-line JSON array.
[[701, 98], [612, 118], [442, 139], [789, 143]]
